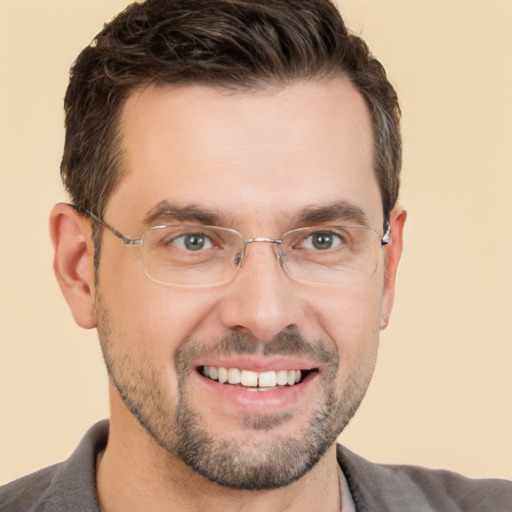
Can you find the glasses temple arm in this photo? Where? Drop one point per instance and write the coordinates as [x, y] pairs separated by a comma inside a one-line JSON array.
[[387, 233], [114, 231]]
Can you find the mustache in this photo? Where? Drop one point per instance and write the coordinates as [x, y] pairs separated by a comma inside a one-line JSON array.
[[289, 342]]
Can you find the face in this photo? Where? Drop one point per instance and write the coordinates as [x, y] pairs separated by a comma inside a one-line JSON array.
[[258, 163]]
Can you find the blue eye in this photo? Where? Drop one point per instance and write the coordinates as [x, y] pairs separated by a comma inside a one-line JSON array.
[[192, 242], [322, 240]]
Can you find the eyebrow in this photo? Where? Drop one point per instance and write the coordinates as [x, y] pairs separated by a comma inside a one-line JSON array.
[[338, 211], [166, 211]]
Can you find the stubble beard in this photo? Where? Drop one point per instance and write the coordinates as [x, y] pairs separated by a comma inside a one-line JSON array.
[[251, 464]]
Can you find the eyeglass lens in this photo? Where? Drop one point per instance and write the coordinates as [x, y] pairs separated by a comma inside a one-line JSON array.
[[188, 255]]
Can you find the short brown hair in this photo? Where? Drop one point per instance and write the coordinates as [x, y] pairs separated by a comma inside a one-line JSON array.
[[235, 44]]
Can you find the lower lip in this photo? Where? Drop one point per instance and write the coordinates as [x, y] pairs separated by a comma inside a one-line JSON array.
[[257, 401]]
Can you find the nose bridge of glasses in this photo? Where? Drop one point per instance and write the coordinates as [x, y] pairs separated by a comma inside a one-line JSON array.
[[269, 240], [273, 241]]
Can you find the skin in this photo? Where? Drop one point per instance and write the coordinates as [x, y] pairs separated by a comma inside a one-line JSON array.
[[256, 160]]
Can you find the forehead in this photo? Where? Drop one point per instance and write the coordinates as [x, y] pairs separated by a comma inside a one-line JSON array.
[[247, 155]]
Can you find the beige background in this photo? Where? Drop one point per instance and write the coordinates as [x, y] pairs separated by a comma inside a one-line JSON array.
[[442, 393]]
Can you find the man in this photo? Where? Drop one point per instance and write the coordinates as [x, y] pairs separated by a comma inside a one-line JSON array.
[[250, 150]]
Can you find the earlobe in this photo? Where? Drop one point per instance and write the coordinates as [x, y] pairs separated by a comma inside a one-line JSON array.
[[393, 251], [73, 264]]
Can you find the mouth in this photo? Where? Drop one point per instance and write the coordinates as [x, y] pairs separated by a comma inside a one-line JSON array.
[[255, 381]]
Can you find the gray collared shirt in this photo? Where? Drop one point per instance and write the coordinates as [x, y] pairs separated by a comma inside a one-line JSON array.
[[71, 486]]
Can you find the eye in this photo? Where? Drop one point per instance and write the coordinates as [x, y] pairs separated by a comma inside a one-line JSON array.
[[192, 242], [322, 240]]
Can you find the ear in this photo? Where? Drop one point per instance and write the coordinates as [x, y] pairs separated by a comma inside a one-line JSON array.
[[73, 263], [393, 251]]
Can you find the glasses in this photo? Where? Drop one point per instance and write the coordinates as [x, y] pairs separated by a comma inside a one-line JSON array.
[[187, 255]]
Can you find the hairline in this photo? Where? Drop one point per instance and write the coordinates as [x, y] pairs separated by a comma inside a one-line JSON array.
[[263, 85]]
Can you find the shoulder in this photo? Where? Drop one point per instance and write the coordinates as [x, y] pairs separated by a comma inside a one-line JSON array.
[[26, 492], [413, 488], [70, 485]]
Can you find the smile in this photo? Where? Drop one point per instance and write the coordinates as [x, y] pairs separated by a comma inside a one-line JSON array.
[[253, 381]]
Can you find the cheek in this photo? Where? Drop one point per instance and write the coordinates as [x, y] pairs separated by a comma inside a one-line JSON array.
[[353, 326], [154, 319], [351, 319]]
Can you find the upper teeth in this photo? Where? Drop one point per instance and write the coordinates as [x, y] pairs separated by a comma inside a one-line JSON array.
[[252, 379]]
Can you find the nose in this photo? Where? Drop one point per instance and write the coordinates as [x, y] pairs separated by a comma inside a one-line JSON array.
[[260, 300]]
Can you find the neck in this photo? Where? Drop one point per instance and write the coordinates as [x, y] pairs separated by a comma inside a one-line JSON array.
[[135, 474]]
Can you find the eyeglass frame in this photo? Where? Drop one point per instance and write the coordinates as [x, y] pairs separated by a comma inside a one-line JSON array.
[[385, 240]]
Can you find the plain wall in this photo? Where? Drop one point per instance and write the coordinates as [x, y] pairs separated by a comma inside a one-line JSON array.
[[442, 391]]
